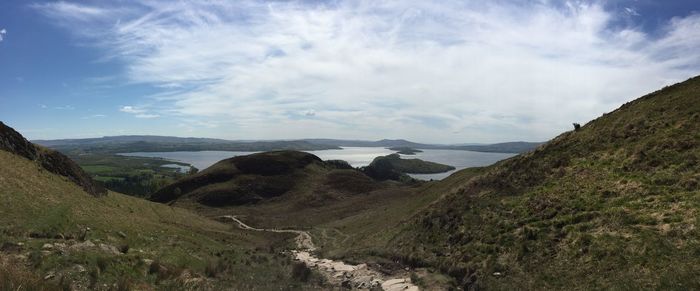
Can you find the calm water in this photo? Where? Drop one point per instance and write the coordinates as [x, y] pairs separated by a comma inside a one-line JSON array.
[[457, 159], [355, 156], [180, 168]]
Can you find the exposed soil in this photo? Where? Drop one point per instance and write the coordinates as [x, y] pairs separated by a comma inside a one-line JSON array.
[[338, 273]]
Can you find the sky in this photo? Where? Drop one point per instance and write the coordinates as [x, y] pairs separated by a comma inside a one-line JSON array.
[[428, 71]]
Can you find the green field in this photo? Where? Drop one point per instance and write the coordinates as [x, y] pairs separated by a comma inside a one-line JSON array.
[[136, 176]]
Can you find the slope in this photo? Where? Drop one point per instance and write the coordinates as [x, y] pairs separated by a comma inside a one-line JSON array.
[[53, 161], [269, 176], [612, 205], [55, 235]]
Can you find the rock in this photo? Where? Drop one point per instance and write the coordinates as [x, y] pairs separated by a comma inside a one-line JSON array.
[[79, 269], [83, 246], [497, 274], [59, 236], [122, 234], [346, 284], [110, 249], [47, 247], [49, 276], [9, 247]]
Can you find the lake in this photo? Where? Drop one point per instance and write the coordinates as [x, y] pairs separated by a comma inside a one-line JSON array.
[[355, 156]]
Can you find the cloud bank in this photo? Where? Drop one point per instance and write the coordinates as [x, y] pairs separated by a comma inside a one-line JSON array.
[[442, 71]]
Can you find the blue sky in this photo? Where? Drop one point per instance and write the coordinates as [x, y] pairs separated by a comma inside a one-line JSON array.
[[432, 71]]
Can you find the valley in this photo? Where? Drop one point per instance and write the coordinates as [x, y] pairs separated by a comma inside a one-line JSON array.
[[265, 145], [619, 191]]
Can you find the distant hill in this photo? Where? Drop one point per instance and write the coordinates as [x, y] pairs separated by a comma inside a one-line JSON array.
[[364, 143], [152, 143], [127, 139], [508, 147], [146, 143], [405, 150], [613, 205]]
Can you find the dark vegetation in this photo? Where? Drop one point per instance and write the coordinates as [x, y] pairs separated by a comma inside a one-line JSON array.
[[136, 176], [613, 205], [393, 167], [405, 150], [242, 180]]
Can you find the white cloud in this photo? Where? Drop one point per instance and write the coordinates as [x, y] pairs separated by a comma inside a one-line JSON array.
[[631, 11], [448, 71], [130, 109], [138, 112], [94, 116], [2, 33]]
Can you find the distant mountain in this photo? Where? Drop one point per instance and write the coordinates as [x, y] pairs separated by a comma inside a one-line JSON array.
[[149, 143], [154, 143], [122, 139], [366, 143], [507, 147]]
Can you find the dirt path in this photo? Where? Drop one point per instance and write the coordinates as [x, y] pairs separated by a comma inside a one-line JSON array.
[[359, 277]]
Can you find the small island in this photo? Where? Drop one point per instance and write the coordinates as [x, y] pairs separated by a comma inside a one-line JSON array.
[[405, 150], [393, 167]]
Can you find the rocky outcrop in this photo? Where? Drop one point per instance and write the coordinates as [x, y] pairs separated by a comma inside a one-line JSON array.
[[53, 161], [12, 141]]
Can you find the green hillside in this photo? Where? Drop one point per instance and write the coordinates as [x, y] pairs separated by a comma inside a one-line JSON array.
[[288, 176], [613, 205], [54, 235]]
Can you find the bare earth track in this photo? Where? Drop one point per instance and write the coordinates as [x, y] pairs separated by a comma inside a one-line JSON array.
[[359, 277]]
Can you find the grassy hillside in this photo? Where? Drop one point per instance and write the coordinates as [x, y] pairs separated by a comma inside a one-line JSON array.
[[13, 142], [284, 189], [50, 228], [612, 205]]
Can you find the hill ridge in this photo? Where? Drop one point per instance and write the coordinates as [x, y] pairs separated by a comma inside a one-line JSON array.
[[53, 161], [621, 191]]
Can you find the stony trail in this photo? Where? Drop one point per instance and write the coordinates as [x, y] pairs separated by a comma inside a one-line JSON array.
[[358, 277]]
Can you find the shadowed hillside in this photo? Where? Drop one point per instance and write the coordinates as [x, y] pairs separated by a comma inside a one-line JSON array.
[[53, 161], [263, 176]]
